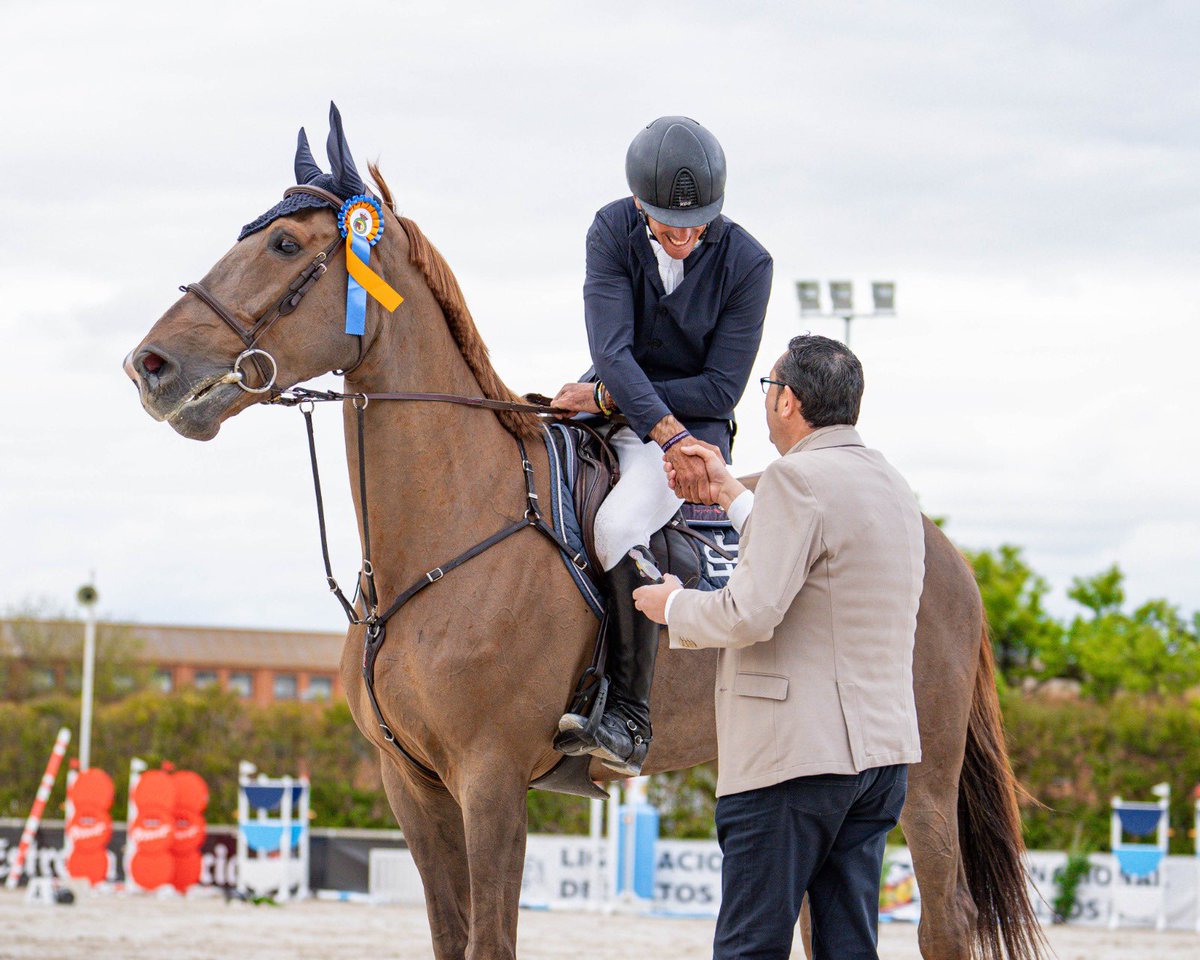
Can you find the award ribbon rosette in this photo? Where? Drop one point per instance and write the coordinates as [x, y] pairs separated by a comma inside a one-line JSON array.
[[361, 222]]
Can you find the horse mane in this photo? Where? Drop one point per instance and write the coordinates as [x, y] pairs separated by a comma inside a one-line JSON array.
[[445, 289]]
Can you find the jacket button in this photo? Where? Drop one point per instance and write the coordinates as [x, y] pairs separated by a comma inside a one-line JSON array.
[[656, 342]]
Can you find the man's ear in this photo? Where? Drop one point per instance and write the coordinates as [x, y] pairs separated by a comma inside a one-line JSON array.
[[788, 401], [794, 407]]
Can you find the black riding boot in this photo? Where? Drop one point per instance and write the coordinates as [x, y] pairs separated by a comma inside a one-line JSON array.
[[623, 737]]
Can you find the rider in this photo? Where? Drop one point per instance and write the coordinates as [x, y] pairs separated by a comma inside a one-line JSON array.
[[674, 300]]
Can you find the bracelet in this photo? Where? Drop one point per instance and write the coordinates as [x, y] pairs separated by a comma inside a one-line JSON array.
[[675, 439], [598, 396], [609, 402]]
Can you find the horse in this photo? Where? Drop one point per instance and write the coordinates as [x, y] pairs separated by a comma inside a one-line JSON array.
[[478, 668]]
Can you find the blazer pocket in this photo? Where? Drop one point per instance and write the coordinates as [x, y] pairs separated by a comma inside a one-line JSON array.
[[766, 685]]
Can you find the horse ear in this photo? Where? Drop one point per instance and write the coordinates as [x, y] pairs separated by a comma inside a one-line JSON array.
[[306, 167], [347, 182]]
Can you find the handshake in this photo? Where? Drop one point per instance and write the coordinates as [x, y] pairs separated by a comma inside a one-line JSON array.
[[697, 472]]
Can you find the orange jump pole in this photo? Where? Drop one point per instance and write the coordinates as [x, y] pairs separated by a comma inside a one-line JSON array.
[[39, 805]]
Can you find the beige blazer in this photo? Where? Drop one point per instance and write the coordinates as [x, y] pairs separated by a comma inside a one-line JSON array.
[[817, 623]]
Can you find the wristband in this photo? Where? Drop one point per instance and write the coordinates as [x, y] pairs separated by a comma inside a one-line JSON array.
[[610, 405], [598, 396], [675, 439]]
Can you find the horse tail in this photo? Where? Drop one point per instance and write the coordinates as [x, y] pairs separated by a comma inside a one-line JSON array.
[[989, 830]]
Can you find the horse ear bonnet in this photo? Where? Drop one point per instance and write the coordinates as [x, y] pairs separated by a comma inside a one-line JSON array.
[[307, 170], [344, 181], [347, 182]]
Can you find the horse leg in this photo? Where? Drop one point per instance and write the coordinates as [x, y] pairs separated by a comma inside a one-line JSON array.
[[945, 667], [493, 798], [806, 928], [930, 823], [433, 827]]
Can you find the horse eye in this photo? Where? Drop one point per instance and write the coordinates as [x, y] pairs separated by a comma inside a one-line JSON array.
[[286, 245]]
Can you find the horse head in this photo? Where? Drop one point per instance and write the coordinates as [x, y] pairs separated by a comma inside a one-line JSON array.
[[259, 321]]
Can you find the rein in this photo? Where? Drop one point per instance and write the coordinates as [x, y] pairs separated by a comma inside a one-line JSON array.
[[298, 395]]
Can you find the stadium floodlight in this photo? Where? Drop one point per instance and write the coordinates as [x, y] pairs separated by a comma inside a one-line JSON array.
[[841, 296], [841, 300], [809, 292], [884, 295]]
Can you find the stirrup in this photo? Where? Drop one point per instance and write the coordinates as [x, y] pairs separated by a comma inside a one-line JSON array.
[[576, 732]]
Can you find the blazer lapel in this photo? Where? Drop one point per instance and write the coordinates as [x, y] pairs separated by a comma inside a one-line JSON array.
[[708, 241], [641, 246]]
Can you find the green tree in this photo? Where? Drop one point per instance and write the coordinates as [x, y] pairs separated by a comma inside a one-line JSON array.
[[1019, 625], [39, 644], [686, 801], [1152, 649]]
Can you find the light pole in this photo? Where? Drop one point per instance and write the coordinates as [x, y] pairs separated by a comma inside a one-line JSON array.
[[841, 300], [87, 597]]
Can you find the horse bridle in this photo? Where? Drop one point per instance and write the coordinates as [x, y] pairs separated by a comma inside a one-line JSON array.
[[251, 336]]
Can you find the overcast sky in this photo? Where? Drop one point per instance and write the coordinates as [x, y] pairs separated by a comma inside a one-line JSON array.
[[1028, 173]]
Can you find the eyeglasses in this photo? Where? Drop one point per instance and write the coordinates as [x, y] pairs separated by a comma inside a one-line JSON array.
[[767, 381]]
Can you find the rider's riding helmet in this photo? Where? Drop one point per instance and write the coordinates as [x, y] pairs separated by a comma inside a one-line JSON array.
[[676, 169]]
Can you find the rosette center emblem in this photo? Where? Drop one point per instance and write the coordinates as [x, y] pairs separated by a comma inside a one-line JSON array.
[[362, 216]]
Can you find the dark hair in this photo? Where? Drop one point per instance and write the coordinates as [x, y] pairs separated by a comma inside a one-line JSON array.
[[826, 377]]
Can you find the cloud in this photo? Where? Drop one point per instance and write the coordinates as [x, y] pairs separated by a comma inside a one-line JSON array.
[[1027, 174]]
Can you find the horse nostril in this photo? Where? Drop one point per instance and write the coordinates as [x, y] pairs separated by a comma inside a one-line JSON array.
[[151, 367]]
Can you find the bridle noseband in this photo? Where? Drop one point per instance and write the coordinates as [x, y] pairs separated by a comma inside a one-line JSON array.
[[305, 280]]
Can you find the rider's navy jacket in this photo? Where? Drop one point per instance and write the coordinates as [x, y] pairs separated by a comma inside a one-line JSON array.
[[688, 353]]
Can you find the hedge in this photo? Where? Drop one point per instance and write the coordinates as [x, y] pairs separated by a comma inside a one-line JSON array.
[[1073, 755], [206, 731]]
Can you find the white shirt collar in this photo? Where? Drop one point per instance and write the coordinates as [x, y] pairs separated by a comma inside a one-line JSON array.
[[669, 269]]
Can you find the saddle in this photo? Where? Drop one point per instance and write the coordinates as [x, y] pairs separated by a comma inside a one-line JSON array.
[[698, 544]]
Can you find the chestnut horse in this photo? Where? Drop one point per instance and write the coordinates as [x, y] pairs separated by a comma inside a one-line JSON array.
[[477, 669]]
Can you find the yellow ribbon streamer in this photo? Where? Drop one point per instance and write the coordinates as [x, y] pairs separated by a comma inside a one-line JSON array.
[[370, 281]]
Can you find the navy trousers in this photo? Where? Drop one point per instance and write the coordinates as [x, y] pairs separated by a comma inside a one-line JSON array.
[[823, 835]]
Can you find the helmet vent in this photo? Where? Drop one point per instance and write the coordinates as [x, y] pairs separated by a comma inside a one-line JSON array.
[[683, 191]]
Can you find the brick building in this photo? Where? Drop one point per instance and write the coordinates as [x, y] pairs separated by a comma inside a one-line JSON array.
[[262, 665]]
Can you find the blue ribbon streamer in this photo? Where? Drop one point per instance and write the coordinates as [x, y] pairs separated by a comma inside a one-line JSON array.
[[356, 296]]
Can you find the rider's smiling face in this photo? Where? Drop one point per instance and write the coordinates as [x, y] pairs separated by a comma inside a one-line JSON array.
[[677, 241]]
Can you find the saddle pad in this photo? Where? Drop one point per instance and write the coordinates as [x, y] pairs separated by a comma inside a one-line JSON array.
[[562, 512], [714, 523], [711, 521]]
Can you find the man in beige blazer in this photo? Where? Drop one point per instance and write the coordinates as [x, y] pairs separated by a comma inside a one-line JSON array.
[[816, 720]]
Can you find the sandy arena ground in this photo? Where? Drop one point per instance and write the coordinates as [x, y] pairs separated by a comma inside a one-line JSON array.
[[131, 928]]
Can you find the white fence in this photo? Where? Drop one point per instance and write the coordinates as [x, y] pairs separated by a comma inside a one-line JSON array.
[[569, 873]]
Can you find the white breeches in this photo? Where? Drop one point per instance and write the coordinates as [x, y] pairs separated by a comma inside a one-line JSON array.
[[641, 502]]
